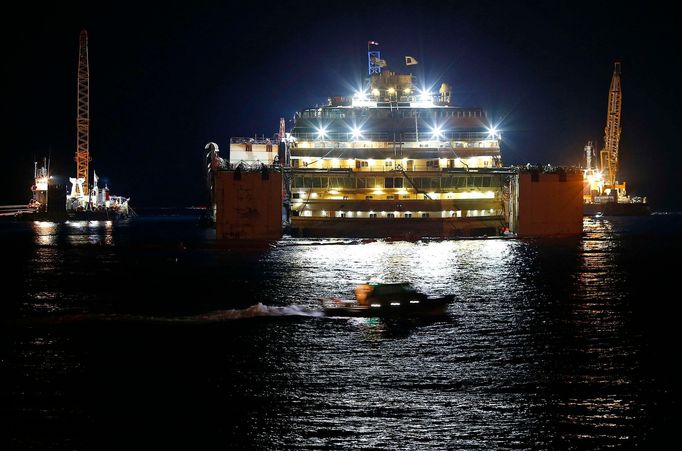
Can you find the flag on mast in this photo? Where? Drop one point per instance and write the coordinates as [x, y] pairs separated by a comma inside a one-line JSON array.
[[378, 61], [410, 61]]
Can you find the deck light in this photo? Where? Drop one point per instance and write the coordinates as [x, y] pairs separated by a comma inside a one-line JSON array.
[[425, 96], [356, 133], [437, 132], [322, 132]]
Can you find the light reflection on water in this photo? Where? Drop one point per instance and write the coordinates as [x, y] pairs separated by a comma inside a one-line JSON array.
[[538, 351]]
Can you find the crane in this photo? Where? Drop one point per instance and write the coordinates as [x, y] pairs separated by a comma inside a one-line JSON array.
[[609, 154], [82, 157]]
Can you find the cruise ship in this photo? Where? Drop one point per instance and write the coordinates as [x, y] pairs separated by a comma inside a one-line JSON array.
[[392, 159]]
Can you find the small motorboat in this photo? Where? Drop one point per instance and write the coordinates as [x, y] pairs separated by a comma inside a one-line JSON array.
[[387, 299]]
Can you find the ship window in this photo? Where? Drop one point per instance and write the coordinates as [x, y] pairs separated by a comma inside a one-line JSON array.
[[388, 182], [388, 163], [296, 195], [295, 162], [435, 182], [372, 215], [398, 182], [425, 215], [485, 182], [408, 215], [390, 215], [342, 215], [390, 197], [345, 197], [369, 197]]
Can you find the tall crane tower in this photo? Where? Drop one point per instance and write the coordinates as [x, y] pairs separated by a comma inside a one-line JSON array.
[[83, 120], [609, 155]]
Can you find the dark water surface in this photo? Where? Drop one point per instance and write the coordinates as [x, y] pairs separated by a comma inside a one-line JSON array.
[[146, 334]]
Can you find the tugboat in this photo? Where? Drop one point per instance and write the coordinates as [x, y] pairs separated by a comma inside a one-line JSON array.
[[387, 299]]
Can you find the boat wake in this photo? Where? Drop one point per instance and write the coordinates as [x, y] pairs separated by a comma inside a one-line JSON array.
[[255, 311]]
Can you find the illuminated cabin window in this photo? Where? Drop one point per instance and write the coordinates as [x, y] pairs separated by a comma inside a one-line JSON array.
[[372, 215], [390, 197], [425, 215], [388, 163], [361, 164]]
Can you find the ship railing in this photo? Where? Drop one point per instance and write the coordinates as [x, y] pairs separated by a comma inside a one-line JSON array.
[[261, 140], [391, 137]]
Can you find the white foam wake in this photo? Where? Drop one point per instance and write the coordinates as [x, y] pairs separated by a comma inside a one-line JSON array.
[[255, 311]]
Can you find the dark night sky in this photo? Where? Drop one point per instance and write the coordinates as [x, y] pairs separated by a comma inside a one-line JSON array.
[[165, 80]]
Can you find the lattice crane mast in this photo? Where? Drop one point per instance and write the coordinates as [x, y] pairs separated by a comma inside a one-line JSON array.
[[83, 120], [609, 155]]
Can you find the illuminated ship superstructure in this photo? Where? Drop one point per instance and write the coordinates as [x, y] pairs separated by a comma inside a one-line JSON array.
[[391, 159]]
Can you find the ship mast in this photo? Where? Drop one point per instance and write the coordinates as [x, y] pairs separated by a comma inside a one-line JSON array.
[[609, 155], [82, 157]]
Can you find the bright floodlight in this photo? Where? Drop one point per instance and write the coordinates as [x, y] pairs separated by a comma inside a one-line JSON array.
[[361, 95], [321, 132], [356, 133], [492, 131], [437, 132], [425, 96]]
